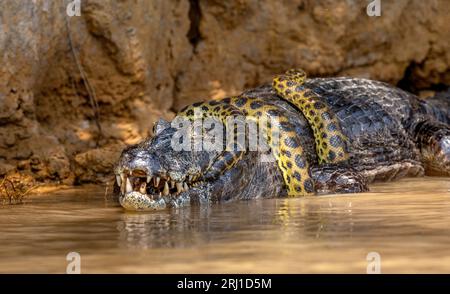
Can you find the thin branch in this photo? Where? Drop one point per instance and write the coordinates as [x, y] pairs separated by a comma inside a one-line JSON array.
[[87, 84]]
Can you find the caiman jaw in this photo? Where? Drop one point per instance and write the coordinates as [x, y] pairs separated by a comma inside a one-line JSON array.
[[141, 191]]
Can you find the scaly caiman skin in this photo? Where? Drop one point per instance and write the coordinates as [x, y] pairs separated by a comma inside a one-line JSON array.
[[334, 135]]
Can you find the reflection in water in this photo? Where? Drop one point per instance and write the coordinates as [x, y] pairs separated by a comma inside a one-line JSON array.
[[161, 229], [195, 226], [188, 226], [402, 221], [312, 218]]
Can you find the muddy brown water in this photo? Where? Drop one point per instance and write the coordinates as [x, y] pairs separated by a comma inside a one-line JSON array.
[[407, 223]]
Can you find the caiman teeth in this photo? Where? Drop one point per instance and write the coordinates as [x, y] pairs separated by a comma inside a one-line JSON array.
[[122, 182], [179, 187], [138, 181], [129, 187], [142, 188], [166, 189]]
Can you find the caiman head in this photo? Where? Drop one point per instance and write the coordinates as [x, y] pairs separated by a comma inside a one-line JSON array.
[[153, 175]]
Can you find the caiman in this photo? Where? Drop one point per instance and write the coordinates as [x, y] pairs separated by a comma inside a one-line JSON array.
[[327, 135]]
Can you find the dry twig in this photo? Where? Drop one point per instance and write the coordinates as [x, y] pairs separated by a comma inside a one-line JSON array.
[[14, 192]]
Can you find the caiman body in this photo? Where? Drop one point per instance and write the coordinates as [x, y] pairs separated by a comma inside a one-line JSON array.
[[388, 134]]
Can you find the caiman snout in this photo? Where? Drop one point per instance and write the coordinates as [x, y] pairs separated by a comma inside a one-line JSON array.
[[141, 191], [147, 187]]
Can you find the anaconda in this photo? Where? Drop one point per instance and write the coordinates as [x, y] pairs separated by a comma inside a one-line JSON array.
[[332, 135]]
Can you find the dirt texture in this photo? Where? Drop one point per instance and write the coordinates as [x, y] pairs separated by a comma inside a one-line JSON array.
[[75, 90]]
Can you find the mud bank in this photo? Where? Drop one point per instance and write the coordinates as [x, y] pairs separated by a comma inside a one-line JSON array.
[[75, 90]]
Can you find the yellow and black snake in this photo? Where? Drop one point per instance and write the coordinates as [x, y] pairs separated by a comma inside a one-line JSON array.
[[330, 142]]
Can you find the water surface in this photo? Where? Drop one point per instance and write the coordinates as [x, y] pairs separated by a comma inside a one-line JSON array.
[[407, 223]]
